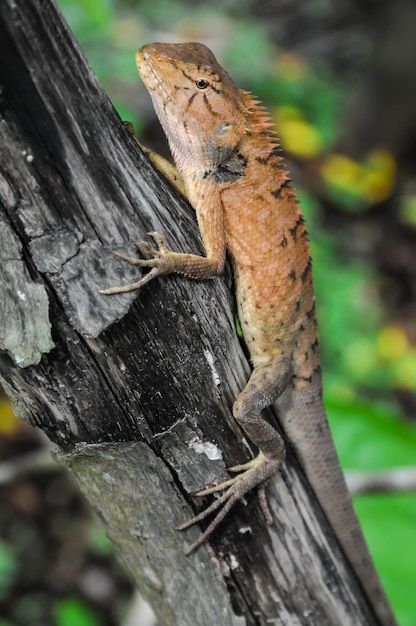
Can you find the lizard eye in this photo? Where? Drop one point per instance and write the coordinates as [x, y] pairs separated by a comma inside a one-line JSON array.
[[201, 83]]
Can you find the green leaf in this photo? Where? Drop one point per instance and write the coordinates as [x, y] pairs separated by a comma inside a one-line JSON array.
[[73, 612], [8, 569], [375, 437], [389, 523], [98, 541], [370, 436]]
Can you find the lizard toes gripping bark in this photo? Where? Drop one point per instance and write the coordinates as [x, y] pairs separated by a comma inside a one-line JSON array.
[[254, 473], [266, 383], [163, 262]]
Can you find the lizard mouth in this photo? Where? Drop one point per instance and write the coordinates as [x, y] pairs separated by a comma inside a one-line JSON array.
[[147, 68]]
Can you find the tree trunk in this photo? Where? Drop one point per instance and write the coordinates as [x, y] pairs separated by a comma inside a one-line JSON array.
[[135, 390]]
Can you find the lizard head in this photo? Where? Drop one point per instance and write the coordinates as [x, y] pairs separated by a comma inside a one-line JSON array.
[[201, 110]]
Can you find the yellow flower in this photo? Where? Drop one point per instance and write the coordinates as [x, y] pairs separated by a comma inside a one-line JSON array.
[[404, 370], [299, 137], [392, 343], [379, 176], [342, 172], [372, 180], [9, 423]]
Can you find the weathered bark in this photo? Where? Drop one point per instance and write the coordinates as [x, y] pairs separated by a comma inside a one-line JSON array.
[[135, 390]]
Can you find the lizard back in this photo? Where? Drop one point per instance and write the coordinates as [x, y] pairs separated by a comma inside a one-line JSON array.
[[267, 238]]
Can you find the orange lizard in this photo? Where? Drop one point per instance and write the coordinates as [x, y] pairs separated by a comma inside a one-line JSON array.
[[226, 154]]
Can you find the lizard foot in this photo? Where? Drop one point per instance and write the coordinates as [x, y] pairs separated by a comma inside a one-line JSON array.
[[157, 264], [253, 474]]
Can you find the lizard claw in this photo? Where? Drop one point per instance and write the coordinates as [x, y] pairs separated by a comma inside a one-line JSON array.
[[151, 250], [155, 271], [254, 473], [159, 241], [155, 263]]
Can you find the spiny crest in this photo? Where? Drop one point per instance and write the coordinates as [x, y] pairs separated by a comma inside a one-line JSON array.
[[261, 123], [260, 120]]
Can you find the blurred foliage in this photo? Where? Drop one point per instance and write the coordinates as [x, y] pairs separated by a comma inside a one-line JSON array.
[[308, 102], [356, 185], [371, 437], [9, 423], [8, 569], [359, 346], [366, 352], [71, 611], [408, 210]]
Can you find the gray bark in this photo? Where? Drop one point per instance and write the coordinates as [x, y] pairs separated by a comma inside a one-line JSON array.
[[135, 390]]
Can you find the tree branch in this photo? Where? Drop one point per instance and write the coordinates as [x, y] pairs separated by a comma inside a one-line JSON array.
[[398, 480]]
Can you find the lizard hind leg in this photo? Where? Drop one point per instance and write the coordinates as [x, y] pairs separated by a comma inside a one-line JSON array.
[[266, 383]]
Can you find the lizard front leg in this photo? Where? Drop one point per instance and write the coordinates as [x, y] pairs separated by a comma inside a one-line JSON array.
[[266, 384], [165, 261], [211, 225]]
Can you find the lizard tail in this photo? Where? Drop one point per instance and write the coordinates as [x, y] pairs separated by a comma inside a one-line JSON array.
[[304, 420]]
